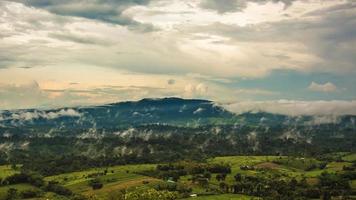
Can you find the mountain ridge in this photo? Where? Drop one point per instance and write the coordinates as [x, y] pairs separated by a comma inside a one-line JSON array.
[[171, 111]]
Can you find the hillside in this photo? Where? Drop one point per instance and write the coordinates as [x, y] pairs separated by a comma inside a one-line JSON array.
[[233, 177], [192, 113], [159, 130]]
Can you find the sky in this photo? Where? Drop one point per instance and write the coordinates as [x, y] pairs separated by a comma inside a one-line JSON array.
[[285, 56]]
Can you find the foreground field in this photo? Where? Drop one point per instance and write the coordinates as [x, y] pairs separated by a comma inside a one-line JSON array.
[[19, 187], [113, 178], [126, 179]]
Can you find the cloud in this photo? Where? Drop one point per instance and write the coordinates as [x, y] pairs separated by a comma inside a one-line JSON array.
[[78, 38], [171, 81], [295, 108], [197, 53], [326, 87], [15, 96], [31, 95], [110, 11], [240, 92], [223, 6], [196, 90], [325, 119], [198, 111], [26, 44], [211, 48], [304, 42], [36, 114]]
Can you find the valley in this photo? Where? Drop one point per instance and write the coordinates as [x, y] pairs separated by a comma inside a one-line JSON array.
[[174, 148]]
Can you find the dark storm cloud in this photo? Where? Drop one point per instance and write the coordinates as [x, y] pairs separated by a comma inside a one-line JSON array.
[[110, 11], [223, 6]]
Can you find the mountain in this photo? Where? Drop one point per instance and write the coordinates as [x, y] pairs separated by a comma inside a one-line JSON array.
[[162, 130], [175, 112]]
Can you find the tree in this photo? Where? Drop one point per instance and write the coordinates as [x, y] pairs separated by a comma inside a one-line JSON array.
[[207, 175], [224, 187], [238, 177], [203, 182], [151, 194], [223, 177], [30, 193], [96, 184], [11, 194], [218, 177], [58, 189]]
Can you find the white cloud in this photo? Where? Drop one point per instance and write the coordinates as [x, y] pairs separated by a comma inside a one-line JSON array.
[[250, 40], [31, 115], [325, 119], [197, 111], [295, 108], [326, 87], [127, 87], [210, 44], [199, 89]]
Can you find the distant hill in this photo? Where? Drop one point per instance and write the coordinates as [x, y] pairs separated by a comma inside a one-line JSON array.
[[161, 130], [165, 111], [173, 111]]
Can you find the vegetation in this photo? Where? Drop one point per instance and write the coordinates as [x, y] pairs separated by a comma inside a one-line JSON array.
[[211, 155], [232, 177]]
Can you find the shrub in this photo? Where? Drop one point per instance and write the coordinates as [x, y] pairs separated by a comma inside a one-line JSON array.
[[58, 189], [11, 194], [96, 184], [30, 193], [151, 194]]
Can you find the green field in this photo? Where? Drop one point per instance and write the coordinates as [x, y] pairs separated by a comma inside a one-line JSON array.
[[237, 161], [350, 157], [292, 168], [353, 184], [6, 170], [121, 171], [129, 177], [18, 187], [116, 178]]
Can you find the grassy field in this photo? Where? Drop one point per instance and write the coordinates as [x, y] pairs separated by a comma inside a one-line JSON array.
[[264, 165], [116, 178], [350, 157], [237, 161], [294, 167], [6, 170], [128, 176], [19, 187]]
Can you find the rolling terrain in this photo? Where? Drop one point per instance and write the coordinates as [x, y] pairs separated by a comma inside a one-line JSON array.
[[174, 149], [139, 177]]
